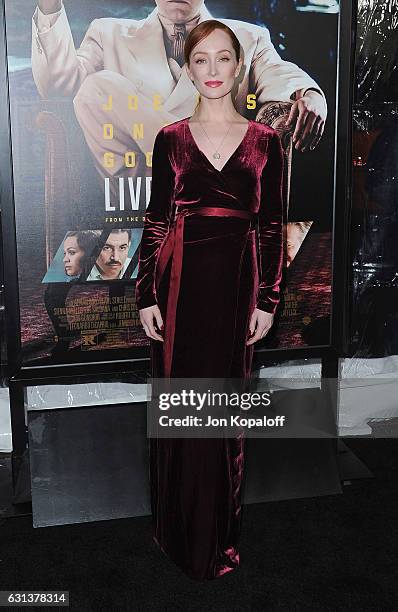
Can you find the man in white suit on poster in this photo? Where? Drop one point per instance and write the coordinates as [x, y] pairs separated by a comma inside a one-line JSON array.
[[119, 58]]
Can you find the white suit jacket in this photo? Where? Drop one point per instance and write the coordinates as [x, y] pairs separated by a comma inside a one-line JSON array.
[[135, 49]]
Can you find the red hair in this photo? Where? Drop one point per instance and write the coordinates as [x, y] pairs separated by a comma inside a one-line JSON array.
[[202, 30]]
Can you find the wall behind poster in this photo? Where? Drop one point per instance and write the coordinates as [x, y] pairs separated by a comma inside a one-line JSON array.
[[78, 228], [374, 228]]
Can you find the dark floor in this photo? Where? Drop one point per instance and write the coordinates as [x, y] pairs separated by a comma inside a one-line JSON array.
[[326, 553]]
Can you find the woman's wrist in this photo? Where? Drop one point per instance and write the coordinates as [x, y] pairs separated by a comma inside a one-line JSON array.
[[266, 306], [145, 302]]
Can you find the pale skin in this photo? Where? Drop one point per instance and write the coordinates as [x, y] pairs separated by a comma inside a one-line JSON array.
[[308, 113]]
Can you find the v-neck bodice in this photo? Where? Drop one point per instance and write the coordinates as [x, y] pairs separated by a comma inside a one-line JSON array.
[[234, 152], [196, 182]]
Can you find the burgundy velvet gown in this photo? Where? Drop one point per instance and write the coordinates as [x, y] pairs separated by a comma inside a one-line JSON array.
[[207, 267]]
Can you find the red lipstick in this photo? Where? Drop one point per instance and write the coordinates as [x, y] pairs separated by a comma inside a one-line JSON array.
[[213, 83]]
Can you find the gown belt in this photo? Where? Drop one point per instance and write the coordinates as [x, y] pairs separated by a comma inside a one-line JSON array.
[[172, 247]]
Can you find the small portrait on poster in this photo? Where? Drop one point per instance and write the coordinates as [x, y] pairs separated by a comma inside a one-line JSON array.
[[74, 257], [114, 259], [95, 255], [296, 232]]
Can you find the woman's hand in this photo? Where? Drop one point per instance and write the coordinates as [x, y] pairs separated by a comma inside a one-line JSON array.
[[263, 320], [147, 316]]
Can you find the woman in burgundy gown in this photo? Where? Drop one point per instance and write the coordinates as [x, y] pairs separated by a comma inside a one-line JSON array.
[[206, 279]]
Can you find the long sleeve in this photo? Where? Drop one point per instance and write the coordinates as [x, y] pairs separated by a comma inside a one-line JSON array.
[[157, 221], [58, 68], [271, 213]]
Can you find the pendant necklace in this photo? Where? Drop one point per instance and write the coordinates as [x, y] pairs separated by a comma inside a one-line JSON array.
[[216, 154]]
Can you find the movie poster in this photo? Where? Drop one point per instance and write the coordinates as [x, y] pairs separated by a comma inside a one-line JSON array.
[[90, 85]]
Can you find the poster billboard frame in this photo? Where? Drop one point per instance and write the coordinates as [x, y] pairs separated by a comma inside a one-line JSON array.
[[340, 270]]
